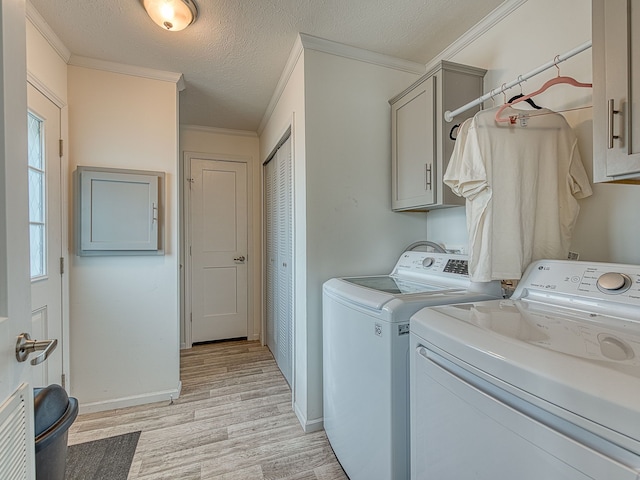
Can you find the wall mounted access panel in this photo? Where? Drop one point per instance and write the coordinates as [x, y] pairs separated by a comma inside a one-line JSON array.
[[118, 212]]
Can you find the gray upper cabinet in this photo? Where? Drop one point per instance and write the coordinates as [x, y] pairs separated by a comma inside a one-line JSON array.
[[616, 90], [420, 141], [118, 212]]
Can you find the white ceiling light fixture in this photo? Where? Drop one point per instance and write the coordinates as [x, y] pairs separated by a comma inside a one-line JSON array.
[[173, 15]]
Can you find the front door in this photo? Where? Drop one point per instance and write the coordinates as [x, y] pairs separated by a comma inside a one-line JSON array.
[[45, 230], [218, 244]]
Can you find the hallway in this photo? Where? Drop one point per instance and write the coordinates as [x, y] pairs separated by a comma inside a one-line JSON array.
[[233, 420]]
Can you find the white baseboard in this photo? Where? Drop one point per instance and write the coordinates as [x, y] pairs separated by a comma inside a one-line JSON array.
[[308, 426], [153, 397]]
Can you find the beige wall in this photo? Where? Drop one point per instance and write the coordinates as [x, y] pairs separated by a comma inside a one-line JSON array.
[[45, 66], [124, 318], [245, 146]]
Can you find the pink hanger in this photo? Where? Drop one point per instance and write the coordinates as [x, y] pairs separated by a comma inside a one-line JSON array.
[[550, 83]]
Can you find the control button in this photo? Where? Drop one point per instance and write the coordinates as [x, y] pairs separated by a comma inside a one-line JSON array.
[[459, 267], [575, 279], [427, 262], [613, 282], [614, 348]]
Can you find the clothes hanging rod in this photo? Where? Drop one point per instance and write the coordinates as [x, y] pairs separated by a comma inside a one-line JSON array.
[[449, 116]]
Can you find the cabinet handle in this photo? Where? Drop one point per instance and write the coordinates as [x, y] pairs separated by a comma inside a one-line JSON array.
[[611, 112], [427, 176]]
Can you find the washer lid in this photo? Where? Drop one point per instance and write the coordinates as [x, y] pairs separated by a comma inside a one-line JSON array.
[[394, 285], [362, 290], [587, 365]]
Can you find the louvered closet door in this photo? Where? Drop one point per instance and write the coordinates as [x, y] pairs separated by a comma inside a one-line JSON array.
[[279, 248], [270, 192], [284, 293]]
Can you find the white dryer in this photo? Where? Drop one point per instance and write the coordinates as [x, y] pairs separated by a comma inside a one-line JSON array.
[[544, 385], [366, 356]]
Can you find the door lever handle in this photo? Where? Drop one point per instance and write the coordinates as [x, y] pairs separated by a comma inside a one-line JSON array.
[[26, 346], [239, 259]]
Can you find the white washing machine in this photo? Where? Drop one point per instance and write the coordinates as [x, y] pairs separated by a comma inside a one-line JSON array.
[[545, 385], [366, 356]]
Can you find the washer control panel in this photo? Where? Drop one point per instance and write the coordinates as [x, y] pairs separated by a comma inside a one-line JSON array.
[[412, 262], [606, 281]]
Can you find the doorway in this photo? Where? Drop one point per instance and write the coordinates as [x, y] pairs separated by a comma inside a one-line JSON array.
[[216, 227], [46, 231], [278, 234]]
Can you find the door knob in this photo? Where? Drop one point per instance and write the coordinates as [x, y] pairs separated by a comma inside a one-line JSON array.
[[25, 346], [239, 259]]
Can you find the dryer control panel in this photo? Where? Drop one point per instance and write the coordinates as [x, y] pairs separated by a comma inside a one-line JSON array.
[[601, 283]]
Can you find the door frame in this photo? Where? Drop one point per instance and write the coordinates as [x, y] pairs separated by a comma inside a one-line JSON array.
[[66, 210], [287, 132], [186, 268]]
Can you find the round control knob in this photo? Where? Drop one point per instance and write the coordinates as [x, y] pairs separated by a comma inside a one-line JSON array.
[[612, 282], [427, 262]]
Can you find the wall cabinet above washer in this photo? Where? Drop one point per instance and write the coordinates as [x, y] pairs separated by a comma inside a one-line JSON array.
[[616, 90], [420, 141]]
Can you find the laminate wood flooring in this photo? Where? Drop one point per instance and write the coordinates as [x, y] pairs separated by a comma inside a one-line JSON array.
[[233, 421]]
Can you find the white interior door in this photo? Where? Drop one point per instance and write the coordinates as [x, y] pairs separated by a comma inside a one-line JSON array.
[[16, 404], [218, 235], [45, 230]]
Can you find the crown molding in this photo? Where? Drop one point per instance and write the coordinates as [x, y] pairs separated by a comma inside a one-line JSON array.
[[219, 131], [114, 67], [483, 26], [294, 56], [45, 30], [309, 42]]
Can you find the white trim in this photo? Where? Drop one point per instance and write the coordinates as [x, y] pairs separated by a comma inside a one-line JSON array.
[[309, 42], [45, 90], [114, 67], [308, 426], [219, 131], [132, 401], [479, 29], [45, 30]]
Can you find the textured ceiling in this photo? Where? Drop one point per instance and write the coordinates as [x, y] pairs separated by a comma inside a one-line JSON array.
[[233, 55]]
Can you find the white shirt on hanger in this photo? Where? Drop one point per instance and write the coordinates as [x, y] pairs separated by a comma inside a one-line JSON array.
[[521, 182]]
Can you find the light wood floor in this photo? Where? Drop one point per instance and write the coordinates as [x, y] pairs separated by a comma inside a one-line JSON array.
[[233, 420]]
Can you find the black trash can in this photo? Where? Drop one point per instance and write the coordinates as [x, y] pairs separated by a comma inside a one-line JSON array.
[[54, 412]]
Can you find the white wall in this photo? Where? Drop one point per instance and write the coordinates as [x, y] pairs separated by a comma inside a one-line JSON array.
[[343, 224], [609, 224], [351, 229], [244, 145], [124, 317]]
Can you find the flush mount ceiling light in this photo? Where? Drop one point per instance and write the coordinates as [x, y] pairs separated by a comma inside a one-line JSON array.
[[173, 15]]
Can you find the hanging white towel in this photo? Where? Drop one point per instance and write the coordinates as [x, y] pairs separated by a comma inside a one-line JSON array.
[[521, 182]]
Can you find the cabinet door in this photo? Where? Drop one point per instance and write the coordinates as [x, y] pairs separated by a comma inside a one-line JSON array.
[[622, 86], [119, 211], [414, 148]]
